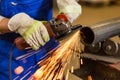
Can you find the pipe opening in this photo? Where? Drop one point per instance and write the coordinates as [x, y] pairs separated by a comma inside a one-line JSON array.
[[87, 35]]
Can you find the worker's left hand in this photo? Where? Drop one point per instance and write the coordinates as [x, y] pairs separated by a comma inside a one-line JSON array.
[[33, 31]]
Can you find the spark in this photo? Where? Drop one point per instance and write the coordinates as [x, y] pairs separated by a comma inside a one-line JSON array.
[[53, 66]]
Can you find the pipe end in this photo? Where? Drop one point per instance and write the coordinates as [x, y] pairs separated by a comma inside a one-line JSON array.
[[87, 35]]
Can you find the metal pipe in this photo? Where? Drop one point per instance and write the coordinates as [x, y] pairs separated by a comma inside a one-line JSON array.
[[100, 31]]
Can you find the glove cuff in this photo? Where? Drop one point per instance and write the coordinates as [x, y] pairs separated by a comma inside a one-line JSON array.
[[19, 22]]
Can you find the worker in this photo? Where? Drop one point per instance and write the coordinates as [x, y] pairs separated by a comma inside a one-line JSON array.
[[24, 18]]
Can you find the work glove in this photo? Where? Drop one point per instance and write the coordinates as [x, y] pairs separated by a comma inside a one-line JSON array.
[[33, 31], [71, 8]]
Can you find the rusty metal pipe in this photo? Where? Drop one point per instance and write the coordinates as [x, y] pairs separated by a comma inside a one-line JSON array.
[[100, 31]]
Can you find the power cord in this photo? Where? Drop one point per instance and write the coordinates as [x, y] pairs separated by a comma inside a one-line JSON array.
[[10, 62]]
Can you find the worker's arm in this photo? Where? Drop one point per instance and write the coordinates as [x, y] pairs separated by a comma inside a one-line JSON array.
[[4, 25], [70, 8]]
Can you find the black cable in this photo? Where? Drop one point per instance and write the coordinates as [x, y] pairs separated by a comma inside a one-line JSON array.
[[10, 62]]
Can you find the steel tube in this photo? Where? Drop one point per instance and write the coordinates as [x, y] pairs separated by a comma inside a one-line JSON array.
[[100, 31]]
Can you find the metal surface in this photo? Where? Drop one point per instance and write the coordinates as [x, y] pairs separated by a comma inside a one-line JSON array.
[[100, 31], [111, 48], [115, 66], [95, 57], [94, 48]]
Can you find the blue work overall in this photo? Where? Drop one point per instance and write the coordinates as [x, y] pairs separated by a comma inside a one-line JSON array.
[[10, 56]]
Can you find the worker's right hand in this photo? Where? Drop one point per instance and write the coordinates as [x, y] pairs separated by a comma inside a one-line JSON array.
[[71, 8], [33, 31]]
